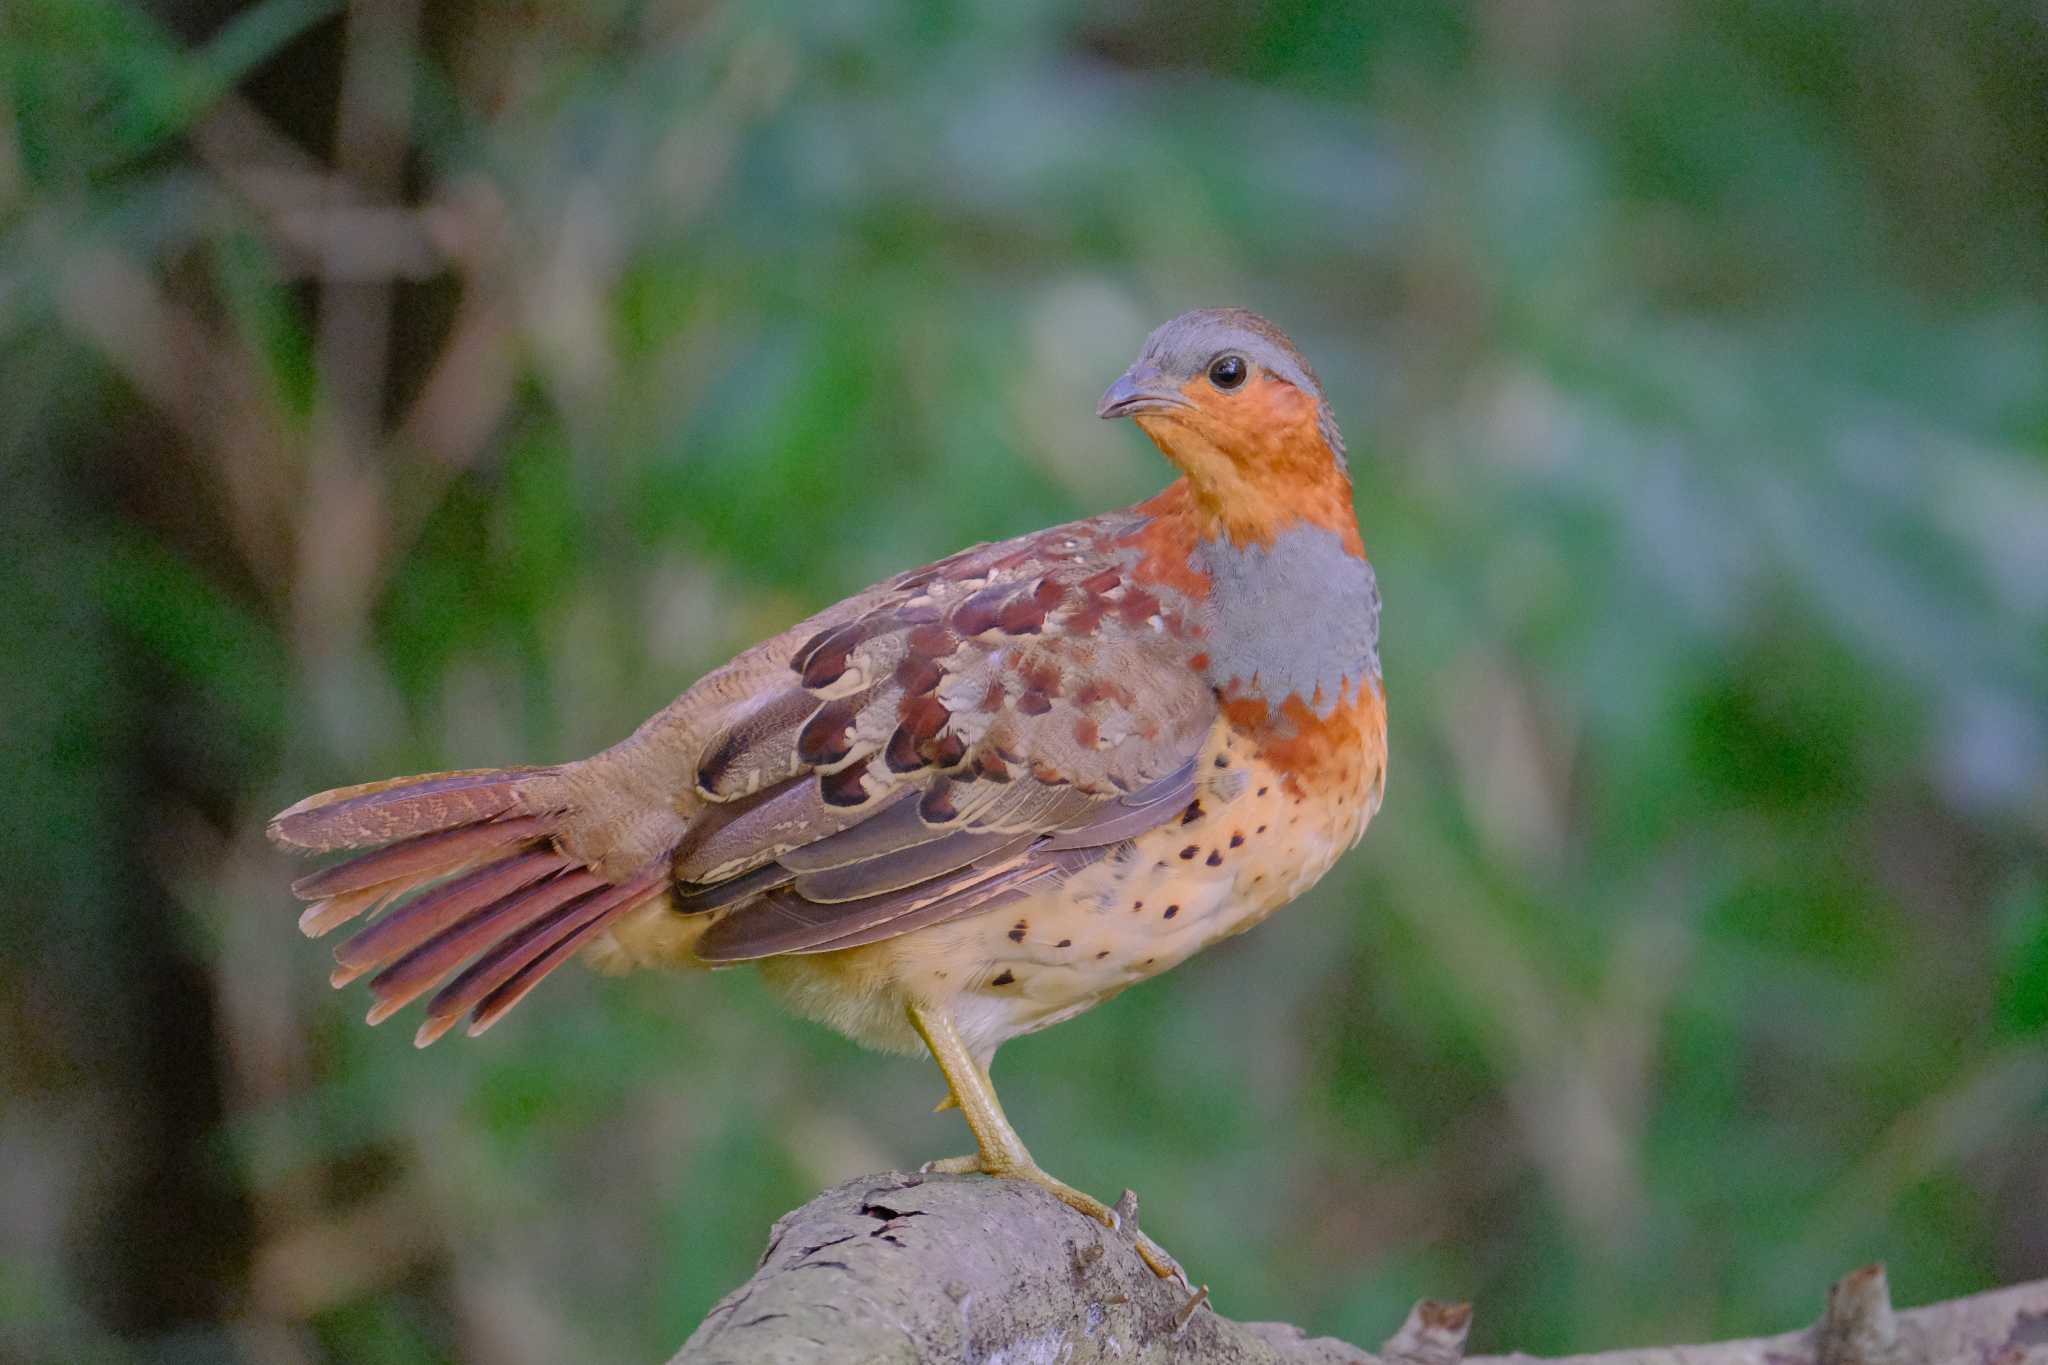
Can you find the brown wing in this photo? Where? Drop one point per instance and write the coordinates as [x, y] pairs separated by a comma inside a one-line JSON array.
[[997, 719]]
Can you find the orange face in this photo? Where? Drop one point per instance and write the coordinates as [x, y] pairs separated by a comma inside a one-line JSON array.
[[1255, 457]]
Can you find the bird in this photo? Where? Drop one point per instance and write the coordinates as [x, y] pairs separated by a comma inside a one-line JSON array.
[[966, 804]]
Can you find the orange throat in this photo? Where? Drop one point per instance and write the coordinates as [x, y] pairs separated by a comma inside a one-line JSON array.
[[1254, 468]]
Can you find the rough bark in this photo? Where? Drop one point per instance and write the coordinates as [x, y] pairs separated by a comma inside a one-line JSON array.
[[914, 1268]]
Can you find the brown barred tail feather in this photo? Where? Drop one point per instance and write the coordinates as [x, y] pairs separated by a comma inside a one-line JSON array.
[[498, 980], [471, 864], [379, 812]]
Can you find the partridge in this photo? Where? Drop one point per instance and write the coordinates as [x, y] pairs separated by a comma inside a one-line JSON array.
[[963, 805]]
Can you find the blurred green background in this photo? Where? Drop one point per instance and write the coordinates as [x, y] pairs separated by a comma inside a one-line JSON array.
[[393, 385]]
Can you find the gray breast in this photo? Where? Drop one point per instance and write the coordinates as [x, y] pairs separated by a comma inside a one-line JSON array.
[[1299, 616]]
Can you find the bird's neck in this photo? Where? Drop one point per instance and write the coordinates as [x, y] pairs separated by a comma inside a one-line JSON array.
[[1291, 610], [1255, 474]]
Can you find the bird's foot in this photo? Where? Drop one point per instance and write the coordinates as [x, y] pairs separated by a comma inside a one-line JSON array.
[[1003, 1154], [1155, 1256]]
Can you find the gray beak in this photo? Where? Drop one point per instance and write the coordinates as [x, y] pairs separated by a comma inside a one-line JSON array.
[[1141, 388]]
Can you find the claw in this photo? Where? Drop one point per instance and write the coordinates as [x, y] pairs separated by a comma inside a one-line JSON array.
[[1165, 1267]]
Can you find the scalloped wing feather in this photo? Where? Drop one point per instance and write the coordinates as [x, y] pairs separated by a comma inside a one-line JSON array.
[[997, 717]]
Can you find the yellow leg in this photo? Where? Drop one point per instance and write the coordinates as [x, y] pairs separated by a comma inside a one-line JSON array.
[[1001, 1152]]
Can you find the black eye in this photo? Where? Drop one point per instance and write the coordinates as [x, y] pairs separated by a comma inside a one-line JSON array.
[[1227, 371]]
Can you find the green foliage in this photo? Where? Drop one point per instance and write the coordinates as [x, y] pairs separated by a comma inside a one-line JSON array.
[[1692, 360]]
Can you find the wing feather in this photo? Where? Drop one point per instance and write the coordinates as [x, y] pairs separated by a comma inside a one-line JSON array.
[[971, 730], [916, 865]]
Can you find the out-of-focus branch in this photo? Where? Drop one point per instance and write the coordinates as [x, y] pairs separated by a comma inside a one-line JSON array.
[[205, 386], [898, 1267], [345, 527]]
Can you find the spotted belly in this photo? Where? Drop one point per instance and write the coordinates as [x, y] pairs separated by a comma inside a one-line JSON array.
[[1254, 837]]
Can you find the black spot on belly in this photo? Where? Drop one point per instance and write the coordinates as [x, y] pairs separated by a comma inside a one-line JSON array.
[[1101, 955], [1192, 813], [1017, 933], [1064, 943], [1215, 858], [1172, 910], [1190, 851], [1005, 979], [1237, 840]]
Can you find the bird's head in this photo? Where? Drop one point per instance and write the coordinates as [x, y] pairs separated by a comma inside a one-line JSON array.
[[1228, 399]]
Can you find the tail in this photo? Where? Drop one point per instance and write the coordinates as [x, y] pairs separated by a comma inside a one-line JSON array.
[[476, 852]]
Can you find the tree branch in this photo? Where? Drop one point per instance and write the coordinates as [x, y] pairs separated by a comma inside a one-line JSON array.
[[907, 1268]]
